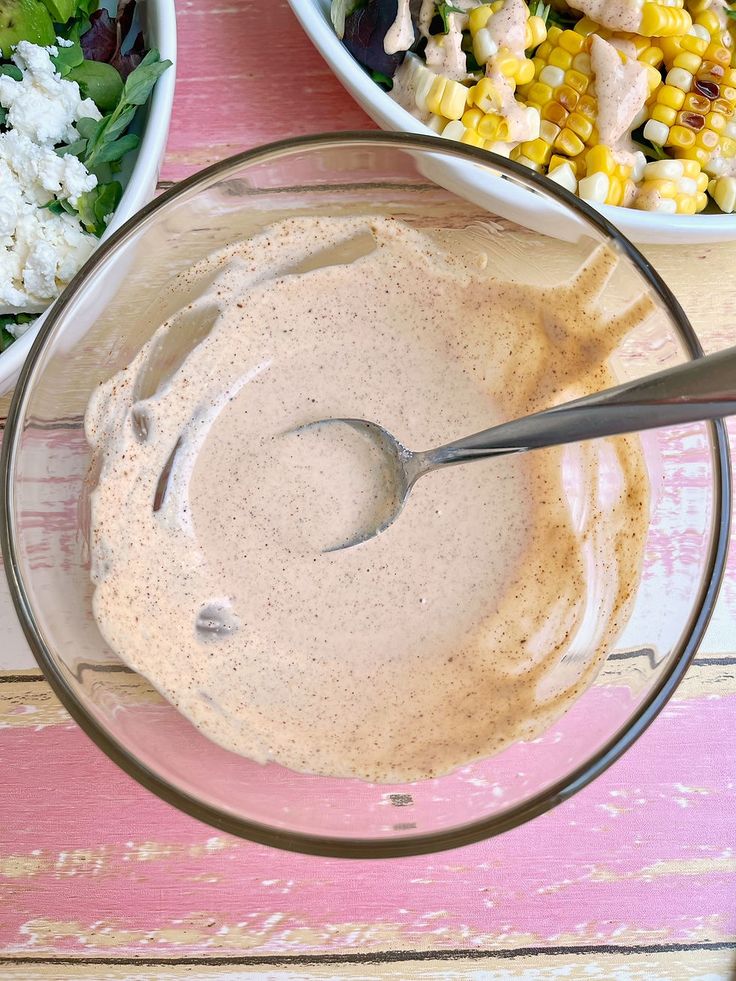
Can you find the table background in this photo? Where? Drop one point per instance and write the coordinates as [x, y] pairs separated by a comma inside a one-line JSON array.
[[634, 878]]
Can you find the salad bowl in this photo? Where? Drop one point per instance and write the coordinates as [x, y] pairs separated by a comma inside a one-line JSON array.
[[642, 227], [140, 167]]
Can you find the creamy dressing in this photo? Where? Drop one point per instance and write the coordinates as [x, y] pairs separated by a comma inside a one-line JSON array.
[[617, 15], [444, 53], [400, 36], [507, 26], [516, 115], [621, 90], [457, 631]]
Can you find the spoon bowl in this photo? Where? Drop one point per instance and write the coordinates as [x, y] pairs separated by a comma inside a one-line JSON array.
[[692, 392]]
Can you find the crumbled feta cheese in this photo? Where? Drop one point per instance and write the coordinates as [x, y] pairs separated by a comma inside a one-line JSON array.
[[18, 329], [64, 42], [41, 172], [46, 251], [39, 251], [43, 106]]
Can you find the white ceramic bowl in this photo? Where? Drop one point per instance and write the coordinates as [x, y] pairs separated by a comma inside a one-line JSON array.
[[141, 168], [640, 226]]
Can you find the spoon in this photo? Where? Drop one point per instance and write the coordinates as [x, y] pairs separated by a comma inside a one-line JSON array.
[[691, 392]]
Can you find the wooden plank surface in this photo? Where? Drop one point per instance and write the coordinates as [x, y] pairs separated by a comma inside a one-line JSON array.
[[634, 878]]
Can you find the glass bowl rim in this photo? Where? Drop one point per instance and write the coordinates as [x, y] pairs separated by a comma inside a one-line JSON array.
[[407, 845]]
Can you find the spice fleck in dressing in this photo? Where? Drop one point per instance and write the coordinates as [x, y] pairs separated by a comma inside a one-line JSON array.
[[451, 635]]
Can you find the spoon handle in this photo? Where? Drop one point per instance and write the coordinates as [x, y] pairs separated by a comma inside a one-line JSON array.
[[701, 389]]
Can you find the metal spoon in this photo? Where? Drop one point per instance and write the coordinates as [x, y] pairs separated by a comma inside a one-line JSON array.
[[698, 390]]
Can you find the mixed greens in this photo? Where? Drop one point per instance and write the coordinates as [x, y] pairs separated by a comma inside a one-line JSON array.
[[106, 56]]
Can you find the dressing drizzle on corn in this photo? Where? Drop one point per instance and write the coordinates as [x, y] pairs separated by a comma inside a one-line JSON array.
[[540, 106]]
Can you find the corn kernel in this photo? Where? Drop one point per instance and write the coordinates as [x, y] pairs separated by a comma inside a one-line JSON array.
[[681, 137], [485, 96], [484, 47], [656, 132], [569, 143], [594, 188], [671, 97], [587, 106], [555, 113], [688, 61], [569, 98], [652, 56], [478, 17], [707, 139], [671, 170], [525, 72], [716, 122], [578, 81], [539, 93], [571, 42], [454, 130], [489, 126], [548, 131], [581, 63], [536, 32], [471, 118], [565, 176], [538, 151], [615, 191], [581, 126], [696, 103], [471, 138], [552, 76], [696, 45], [600, 159], [723, 192], [679, 79], [663, 114], [586, 26]]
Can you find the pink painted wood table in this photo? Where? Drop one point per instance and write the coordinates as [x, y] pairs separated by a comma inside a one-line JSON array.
[[634, 878]]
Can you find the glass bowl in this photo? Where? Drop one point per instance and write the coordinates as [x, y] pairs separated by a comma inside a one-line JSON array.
[[112, 307]]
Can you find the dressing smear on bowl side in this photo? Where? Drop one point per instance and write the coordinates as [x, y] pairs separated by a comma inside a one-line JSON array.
[[478, 617]]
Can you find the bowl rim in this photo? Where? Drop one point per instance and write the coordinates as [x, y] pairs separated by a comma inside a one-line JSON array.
[[407, 845]]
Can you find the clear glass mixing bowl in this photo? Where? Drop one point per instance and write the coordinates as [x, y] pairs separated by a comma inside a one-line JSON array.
[[111, 309]]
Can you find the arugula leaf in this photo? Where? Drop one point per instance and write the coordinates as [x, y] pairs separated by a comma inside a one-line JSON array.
[[3, 115], [444, 9], [94, 206], [13, 71], [730, 12], [98, 81]]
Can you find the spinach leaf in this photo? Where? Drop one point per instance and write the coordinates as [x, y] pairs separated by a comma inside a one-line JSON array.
[[98, 81], [67, 59]]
